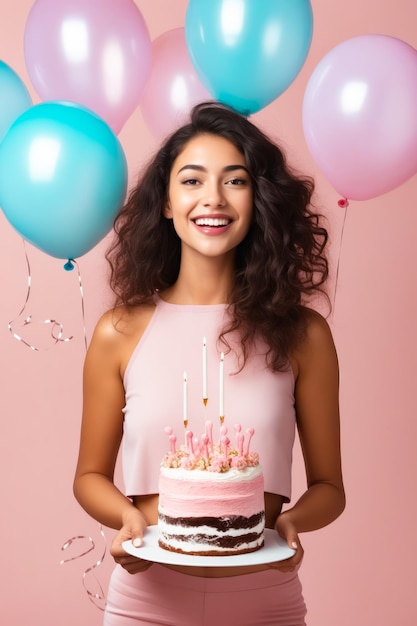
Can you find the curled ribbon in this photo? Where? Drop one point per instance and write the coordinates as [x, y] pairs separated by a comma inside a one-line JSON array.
[[94, 597], [57, 336], [56, 327]]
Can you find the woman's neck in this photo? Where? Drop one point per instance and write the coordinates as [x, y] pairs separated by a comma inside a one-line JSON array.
[[207, 282]]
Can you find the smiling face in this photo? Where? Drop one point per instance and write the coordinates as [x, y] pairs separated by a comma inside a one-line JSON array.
[[210, 197]]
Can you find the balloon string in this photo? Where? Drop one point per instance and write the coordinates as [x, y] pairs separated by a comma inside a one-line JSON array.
[[343, 203], [57, 337], [69, 266], [94, 597]]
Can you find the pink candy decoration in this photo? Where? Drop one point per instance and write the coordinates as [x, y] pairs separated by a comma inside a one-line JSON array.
[[190, 444], [172, 439], [224, 444], [209, 432], [204, 445], [240, 439], [239, 463], [249, 432], [204, 454]]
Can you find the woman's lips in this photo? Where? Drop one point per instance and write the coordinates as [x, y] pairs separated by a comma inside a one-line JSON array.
[[212, 225]]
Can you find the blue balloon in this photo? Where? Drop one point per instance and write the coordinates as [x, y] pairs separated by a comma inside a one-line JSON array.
[[63, 178], [14, 97], [247, 52]]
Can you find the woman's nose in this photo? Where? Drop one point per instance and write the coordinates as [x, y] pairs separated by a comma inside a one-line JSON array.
[[213, 195]]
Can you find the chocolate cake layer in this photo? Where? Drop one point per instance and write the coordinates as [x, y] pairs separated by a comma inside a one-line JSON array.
[[221, 524]]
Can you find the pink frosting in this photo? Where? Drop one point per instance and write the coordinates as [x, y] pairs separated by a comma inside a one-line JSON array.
[[210, 498]]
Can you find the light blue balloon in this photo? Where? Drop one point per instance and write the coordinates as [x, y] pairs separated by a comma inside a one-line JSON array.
[[63, 178], [247, 52], [14, 97]]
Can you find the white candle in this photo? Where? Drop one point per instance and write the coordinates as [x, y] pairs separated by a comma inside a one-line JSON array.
[[204, 372], [221, 388], [185, 400]]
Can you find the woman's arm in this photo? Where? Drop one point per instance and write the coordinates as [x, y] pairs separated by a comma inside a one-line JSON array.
[[317, 408], [102, 427]]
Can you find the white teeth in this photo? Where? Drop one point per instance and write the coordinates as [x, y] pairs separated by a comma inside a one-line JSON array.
[[209, 221]]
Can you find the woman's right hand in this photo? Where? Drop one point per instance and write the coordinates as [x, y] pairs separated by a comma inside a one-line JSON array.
[[134, 526]]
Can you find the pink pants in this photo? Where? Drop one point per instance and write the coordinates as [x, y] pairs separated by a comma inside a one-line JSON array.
[[161, 596]]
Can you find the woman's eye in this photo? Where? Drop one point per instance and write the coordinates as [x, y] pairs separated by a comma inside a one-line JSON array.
[[237, 181], [190, 181]]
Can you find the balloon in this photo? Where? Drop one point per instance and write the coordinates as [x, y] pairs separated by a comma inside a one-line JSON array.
[[172, 87], [63, 178], [96, 53], [360, 115], [14, 97], [247, 54]]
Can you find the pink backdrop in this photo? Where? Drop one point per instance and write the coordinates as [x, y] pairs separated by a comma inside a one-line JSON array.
[[358, 571]]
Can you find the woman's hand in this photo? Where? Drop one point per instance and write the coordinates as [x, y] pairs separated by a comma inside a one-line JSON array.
[[134, 526], [286, 529]]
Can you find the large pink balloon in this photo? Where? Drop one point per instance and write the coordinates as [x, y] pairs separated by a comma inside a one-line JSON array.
[[360, 115], [173, 86], [93, 52]]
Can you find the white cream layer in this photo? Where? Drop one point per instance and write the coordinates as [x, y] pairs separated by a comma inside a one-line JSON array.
[[232, 475]]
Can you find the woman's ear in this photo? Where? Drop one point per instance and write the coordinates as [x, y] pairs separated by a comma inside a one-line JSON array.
[[167, 210]]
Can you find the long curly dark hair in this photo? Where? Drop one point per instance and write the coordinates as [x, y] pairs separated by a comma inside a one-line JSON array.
[[279, 265]]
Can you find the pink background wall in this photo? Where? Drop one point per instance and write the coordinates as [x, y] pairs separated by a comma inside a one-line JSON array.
[[359, 571]]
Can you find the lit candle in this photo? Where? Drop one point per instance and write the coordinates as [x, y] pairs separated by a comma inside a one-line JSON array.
[[221, 389], [185, 401], [204, 372]]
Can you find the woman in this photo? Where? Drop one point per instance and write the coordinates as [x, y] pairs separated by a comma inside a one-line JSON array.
[[217, 239]]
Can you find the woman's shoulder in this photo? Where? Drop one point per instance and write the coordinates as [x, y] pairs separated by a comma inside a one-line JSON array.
[[317, 343], [120, 328], [317, 327]]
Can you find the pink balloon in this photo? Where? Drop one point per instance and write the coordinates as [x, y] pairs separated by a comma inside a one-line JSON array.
[[360, 115], [93, 52], [173, 86]]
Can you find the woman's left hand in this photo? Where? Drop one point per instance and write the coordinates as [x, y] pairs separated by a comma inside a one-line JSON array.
[[286, 529]]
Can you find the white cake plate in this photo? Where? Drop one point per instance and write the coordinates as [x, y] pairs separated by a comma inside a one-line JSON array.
[[275, 549]]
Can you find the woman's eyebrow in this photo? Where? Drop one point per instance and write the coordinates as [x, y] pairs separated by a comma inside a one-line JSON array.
[[201, 168]]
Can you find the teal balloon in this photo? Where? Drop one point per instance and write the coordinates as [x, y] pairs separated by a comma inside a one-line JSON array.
[[63, 178], [14, 97], [247, 52]]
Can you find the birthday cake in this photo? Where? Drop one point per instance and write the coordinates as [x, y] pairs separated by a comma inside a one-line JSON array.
[[211, 496]]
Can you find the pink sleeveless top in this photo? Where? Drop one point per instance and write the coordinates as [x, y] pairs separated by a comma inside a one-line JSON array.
[[255, 398]]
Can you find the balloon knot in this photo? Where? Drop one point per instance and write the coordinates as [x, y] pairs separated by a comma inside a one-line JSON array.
[[69, 265], [343, 203]]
